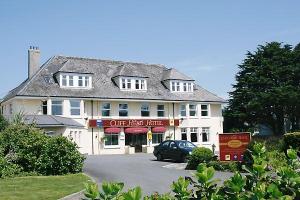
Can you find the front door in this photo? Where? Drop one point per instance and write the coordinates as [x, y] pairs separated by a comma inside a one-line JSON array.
[[136, 141]]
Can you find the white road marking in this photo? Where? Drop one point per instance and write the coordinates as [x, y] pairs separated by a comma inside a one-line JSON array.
[[179, 166]]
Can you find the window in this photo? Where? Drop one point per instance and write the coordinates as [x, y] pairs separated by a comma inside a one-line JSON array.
[[157, 138], [190, 87], [57, 107], [75, 107], [193, 110], [205, 134], [173, 86], [128, 83], [194, 134], [44, 107], [137, 84], [71, 81], [123, 83], [182, 110], [160, 110], [184, 87], [204, 110], [80, 81], [145, 111], [178, 86], [105, 109], [112, 139], [123, 110], [64, 80], [143, 84], [86, 81], [183, 134]]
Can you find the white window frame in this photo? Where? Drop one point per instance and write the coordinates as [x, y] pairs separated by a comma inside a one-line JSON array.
[[207, 131], [124, 109], [145, 110], [183, 130], [74, 79], [62, 107], [207, 110], [193, 110], [75, 107], [105, 109], [136, 84], [180, 110], [161, 110], [112, 145], [194, 130]]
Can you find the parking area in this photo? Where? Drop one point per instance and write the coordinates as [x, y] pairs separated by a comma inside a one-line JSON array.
[[138, 170]]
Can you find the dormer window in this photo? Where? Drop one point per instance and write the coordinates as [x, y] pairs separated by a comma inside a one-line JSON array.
[[132, 84], [181, 86], [75, 81]]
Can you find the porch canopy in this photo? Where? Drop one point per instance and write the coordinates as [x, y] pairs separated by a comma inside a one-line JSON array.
[[136, 130], [112, 130]]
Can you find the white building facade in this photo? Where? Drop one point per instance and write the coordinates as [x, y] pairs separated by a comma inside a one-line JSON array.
[[113, 107]]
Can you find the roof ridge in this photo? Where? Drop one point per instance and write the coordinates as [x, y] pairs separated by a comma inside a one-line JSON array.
[[110, 60]]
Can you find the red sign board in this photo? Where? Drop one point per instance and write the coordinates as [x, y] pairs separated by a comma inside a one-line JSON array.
[[132, 122], [233, 146]]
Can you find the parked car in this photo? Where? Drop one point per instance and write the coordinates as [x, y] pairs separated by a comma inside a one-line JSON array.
[[177, 150]]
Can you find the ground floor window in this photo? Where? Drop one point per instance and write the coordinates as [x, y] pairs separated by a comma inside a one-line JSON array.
[[205, 134], [135, 139], [157, 138], [194, 134], [111, 139], [183, 134]]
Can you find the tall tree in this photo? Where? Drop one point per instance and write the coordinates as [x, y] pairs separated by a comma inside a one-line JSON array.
[[267, 88]]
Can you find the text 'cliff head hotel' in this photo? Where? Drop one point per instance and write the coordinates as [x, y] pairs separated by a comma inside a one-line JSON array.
[[110, 107]]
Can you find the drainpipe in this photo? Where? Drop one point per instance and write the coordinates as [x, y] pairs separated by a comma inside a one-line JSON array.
[[174, 118], [92, 128]]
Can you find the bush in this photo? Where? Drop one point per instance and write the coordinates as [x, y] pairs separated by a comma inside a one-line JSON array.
[[230, 166], [292, 140], [3, 123], [8, 169], [22, 144], [199, 155], [60, 156]]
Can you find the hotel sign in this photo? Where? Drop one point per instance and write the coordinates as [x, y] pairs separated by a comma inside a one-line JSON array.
[[93, 123], [233, 146]]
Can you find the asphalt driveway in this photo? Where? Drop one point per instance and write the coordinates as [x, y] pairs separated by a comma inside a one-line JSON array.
[[138, 170]]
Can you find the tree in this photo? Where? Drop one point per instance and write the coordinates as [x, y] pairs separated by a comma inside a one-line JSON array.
[[267, 88]]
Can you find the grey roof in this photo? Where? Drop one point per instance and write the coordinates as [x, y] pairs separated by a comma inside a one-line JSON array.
[[173, 74], [51, 121], [43, 83]]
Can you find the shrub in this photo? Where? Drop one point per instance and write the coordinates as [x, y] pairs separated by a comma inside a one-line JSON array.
[[22, 144], [199, 155], [292, 140], [8, 169], [3, 123], [60, 156], [230, 166]]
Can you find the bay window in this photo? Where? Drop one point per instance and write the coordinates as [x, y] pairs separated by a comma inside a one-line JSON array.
[[57, 107], [75, 107]]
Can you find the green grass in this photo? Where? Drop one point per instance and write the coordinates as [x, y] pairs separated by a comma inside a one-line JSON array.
[[41, 187]]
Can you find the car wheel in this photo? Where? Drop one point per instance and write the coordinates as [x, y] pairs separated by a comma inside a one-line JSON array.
[[159, 157]]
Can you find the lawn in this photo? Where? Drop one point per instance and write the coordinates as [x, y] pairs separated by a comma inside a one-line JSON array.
[[41, 187]]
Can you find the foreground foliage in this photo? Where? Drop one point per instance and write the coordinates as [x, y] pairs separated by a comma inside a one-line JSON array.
[[259, 183], [41, 187], [25, 149]]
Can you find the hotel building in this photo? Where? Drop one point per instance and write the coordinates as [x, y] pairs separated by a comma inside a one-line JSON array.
[[114, 107]]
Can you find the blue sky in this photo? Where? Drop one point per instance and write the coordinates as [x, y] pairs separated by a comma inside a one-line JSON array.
[[204, 39]]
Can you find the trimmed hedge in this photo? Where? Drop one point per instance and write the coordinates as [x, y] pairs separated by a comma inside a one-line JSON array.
[[292, 140], [199, 155]]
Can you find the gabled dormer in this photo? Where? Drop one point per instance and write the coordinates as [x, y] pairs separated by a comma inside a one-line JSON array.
[[177, 82], [128, 78]]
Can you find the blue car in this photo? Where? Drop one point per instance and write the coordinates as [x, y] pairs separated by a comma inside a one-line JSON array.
[[177, 150]]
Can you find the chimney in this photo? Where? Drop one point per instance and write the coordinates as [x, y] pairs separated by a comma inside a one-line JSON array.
[[33, 60]]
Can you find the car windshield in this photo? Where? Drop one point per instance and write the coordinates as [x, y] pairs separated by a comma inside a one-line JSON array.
[[185, 144]]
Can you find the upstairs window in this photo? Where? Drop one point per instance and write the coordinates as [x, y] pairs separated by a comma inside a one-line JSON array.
[[183, 110], [181, 86], [160, 110], [204, 110], [71, 81], [57, 107], [75, 81], [105, 109], [75, 107], [184, 87], [44, 108], [64, 80], [193, 110], [80, 81], [132, 84], [123, 109], [145, 110]]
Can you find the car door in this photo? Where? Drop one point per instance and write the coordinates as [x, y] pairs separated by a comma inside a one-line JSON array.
[[173, 151], [164, 149]]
